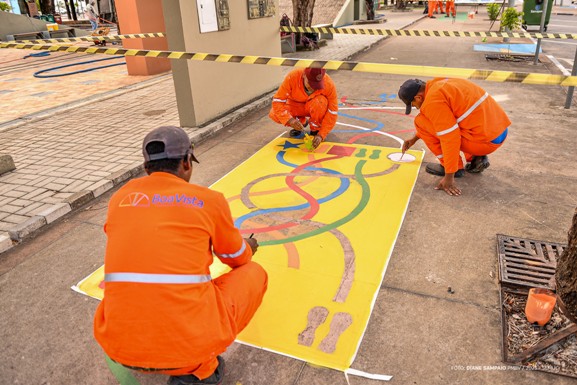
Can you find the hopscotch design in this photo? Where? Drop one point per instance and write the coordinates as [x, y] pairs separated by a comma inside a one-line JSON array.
[[326, 221]]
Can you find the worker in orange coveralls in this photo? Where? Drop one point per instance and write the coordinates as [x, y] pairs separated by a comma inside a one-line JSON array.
[[455, 115], [432, 7], [162, 311], [439, 8], [306, 96], [450, 8]]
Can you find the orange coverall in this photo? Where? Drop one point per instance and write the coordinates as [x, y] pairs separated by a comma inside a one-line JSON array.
[[292, 101], [458, 115], [439, 7], [432, 6], [161, 309], [450, 8]]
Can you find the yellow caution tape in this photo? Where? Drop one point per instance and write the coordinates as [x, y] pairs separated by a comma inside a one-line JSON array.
[[94, 38], [422, 33], [393, 69]]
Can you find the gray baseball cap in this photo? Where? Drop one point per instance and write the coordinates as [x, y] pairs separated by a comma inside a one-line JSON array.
[[176, 142], [408, 91]]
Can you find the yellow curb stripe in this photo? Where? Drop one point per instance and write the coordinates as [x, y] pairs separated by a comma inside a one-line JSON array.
[[394, 69]]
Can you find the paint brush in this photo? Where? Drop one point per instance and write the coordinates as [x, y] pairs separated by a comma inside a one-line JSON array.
[[251, 235]]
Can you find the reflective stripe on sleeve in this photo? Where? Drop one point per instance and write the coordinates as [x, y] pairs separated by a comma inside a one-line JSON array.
[[157, 278], [440, 156], [333, 112], [234, 255], [279, 100]]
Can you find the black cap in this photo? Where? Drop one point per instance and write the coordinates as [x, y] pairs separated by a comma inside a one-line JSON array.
[[408, 91], [176, 142]]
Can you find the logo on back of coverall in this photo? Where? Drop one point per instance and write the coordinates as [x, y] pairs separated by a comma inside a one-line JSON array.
[[135, 199], [138, 199]]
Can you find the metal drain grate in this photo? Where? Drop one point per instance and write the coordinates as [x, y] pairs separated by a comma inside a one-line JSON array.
[[526, 262]]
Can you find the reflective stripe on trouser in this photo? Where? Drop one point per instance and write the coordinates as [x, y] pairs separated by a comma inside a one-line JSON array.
[[315, 108], [242, 290]]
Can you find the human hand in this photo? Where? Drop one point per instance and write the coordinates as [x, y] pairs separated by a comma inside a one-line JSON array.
[[317, 141], [253, 243], [448, 185], [407, 144], [296, 124]]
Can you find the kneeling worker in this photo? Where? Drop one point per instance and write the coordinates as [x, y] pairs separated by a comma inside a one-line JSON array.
[[455, 115], [306, 96], [162, 311]]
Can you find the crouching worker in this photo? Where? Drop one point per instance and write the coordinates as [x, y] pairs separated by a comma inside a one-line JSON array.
[[306, 97], [455, 115], [162, 311]]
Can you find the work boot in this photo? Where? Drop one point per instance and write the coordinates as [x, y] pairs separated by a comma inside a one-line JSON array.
[[439, 170], [478, 164], [189, 379]]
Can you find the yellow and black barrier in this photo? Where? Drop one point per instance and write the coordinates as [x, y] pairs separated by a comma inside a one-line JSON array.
[[392, 69], [93, 38], [423, 33]]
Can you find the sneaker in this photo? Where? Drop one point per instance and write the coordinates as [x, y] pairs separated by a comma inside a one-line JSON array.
[[478, 164], [439, 170], [189, 379], [296, 133]]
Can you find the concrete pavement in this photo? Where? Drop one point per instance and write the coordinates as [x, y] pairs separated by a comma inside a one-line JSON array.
[[419, 333]]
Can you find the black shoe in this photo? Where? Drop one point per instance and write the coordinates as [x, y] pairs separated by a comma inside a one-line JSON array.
[[296, 133], [439, 170], [189, 379], [478, 164], [447, 16]]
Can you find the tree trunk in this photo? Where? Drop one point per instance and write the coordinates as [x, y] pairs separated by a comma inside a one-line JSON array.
[[67, 10], [72, 9], [303, 12], [47, 7], [370, 5], [566, 274]]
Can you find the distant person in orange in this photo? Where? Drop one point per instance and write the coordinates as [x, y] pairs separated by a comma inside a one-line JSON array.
[[455, 115], [450, 8], [162, 311], [439, 8], [432, 7], [306, 97]]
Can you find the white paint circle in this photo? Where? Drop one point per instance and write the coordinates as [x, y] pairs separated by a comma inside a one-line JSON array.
[[399, 157]]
